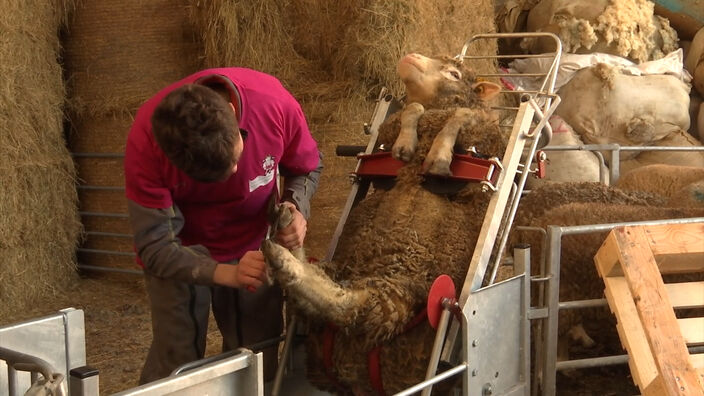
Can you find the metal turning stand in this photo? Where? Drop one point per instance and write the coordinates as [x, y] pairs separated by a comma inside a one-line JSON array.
[[492, 353]]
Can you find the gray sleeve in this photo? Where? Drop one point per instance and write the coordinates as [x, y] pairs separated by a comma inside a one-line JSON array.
[[159, 248], [299, 189]]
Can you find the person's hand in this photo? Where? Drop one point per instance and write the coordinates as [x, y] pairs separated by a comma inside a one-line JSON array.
[[292, 236], [249, 272]]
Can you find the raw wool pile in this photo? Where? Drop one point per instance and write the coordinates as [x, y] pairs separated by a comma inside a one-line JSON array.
[[117, 54], [626, 28], [39, 225]]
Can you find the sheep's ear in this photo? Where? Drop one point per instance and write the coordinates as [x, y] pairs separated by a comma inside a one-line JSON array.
[[486, 90]]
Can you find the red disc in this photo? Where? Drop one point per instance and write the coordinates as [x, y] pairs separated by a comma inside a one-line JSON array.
[[442, 287]]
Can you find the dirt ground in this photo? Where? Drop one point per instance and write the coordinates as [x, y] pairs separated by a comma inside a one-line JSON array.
[[118, 328]]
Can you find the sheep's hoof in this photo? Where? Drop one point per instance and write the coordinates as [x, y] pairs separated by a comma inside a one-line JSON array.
[[438, 167], [274, 254], [403, 151], [579, 334]]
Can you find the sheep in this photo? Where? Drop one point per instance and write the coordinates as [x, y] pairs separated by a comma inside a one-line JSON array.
[[625, 28], [393, 241], [694, 63], [696, 115], [570, 165], [679, 185], [398, 240]]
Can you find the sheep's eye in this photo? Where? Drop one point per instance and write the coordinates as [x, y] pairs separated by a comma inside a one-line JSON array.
[[455, 74]]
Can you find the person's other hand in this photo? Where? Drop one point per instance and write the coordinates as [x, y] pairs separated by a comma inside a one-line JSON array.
[[249, 272], [292, 236]]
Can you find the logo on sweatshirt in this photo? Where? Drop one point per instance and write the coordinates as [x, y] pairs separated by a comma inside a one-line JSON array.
[[268, 165]]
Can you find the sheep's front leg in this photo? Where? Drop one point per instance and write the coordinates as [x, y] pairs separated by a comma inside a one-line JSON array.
[[407, 140], [311, 288], [439, 157], [281, 216]]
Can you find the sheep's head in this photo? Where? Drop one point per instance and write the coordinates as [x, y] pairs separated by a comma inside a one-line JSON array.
[[442, 82]]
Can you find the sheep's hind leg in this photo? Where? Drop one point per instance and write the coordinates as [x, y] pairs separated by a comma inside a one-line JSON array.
[[311, 288], [405, 145]]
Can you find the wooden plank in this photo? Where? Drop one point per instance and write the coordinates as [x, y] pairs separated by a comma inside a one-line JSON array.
[[655, 388], [697, 360], [692, 330], [677, 247], [686, 294], [631, 332], [607, 258], [656, 314]]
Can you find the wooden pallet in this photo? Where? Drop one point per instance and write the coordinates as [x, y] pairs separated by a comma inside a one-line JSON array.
[[631, 261]]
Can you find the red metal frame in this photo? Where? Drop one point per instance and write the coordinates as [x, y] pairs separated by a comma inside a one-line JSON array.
[[465, 167]]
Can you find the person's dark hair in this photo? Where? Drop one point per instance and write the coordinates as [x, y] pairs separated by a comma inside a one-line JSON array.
[[197, 130]]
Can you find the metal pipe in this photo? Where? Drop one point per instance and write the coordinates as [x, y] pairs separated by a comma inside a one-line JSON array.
[[22, 362], [591, 362], [442, 376], [553, 294], [109, 269], [108, 234], [606, 360], [661, 148], [437, 348], [581, 304], [522, 267], [516, 56], [513, 75], [202, 362], [104, 214], [585, 229], [98, 155], [13, 383], [100, 188], [108, 252], [276, 388]]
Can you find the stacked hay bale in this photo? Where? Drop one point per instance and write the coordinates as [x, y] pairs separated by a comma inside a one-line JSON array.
[[39, 226], [117, 54]]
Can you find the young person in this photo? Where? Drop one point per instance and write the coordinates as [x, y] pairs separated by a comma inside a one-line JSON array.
[[201, 164]]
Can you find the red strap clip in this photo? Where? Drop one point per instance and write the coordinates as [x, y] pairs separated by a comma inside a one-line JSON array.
[[540, 158]]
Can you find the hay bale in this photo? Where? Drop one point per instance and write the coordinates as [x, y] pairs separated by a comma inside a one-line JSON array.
[[39, 225], [118, 54], [247, 34]]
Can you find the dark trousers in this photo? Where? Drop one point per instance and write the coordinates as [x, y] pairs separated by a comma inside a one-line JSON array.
[[180, 322]]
